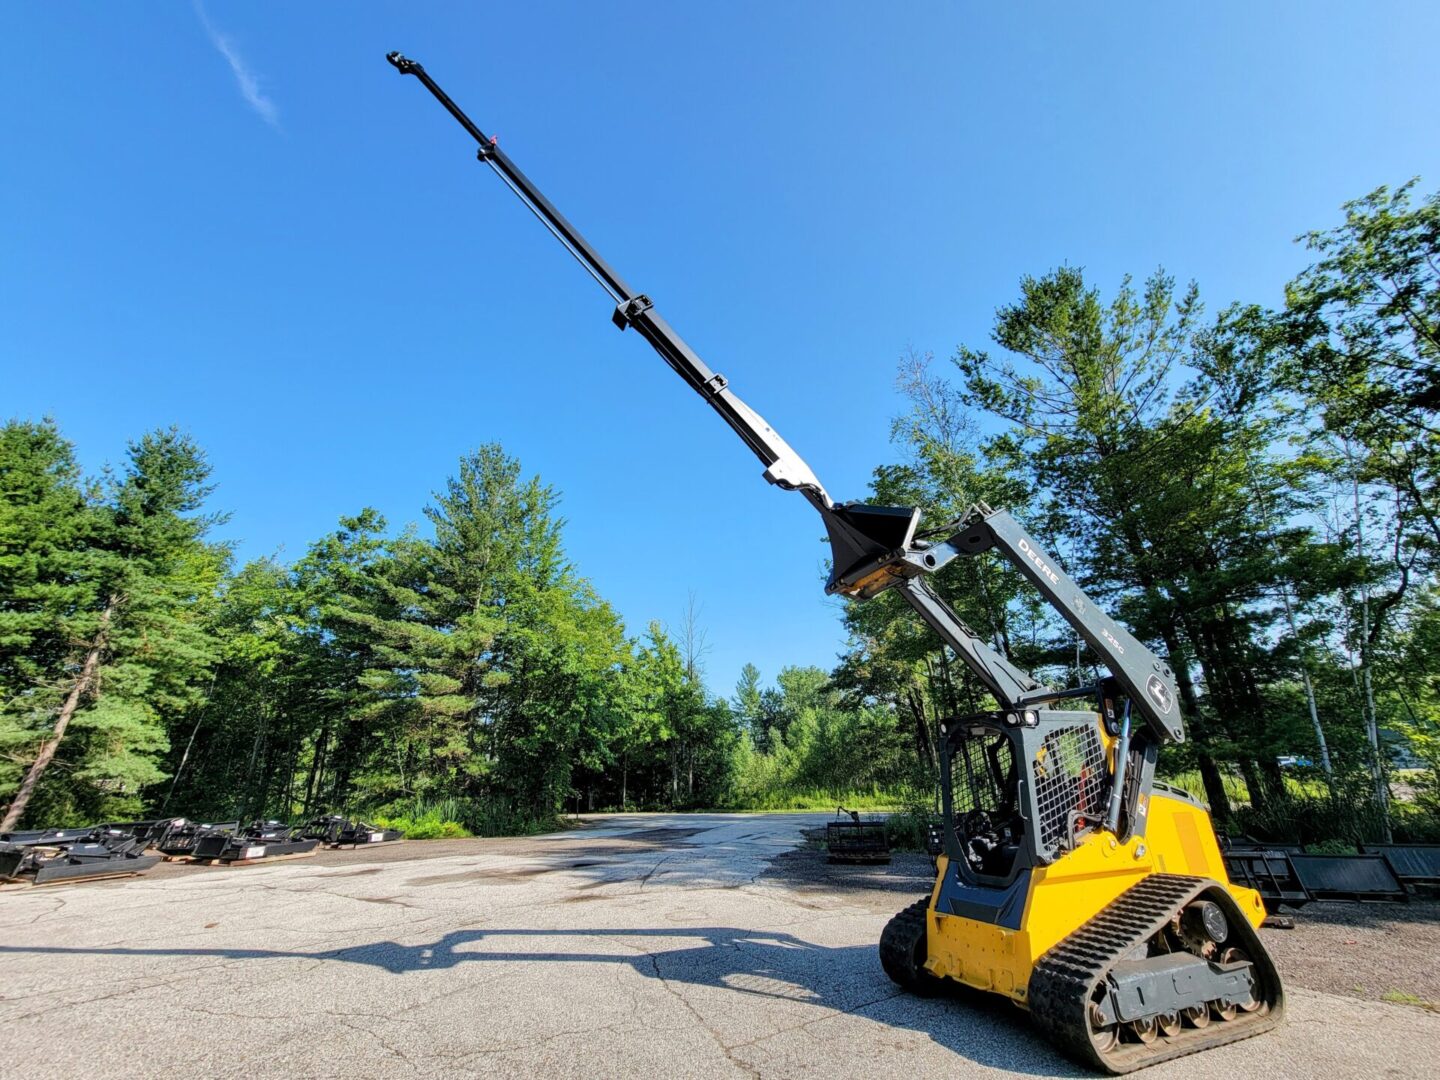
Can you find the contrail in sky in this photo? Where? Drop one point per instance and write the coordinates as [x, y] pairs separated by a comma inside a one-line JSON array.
[[245, 79]]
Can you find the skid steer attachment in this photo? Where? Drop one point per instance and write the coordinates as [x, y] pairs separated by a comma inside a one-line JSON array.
[[850, 840], [258, 840], [57, 855], [1067, 879], [336, 831]]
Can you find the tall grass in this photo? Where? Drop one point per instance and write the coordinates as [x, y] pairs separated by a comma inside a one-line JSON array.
[[1314, 814], [875, 797], [423, 818]]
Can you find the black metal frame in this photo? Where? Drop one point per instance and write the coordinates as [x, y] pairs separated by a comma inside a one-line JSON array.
[[52, 855]]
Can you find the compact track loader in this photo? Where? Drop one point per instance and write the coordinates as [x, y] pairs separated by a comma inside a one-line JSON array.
[[1069, 880]]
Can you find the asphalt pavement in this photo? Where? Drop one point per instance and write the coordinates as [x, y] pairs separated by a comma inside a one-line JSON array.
[[636, 946]]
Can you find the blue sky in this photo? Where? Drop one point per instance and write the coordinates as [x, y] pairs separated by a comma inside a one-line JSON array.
[[240, 220]]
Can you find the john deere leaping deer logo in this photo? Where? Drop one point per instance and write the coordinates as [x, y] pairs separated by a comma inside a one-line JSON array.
[[1159, 693]]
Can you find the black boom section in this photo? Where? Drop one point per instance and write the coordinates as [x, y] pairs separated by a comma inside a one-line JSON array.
[[874, 548], [783, 466]]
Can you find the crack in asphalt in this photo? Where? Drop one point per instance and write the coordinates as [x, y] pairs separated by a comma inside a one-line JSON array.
[[725, 1048]]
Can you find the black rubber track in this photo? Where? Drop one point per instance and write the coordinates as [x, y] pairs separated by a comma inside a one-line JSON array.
[[903, 949], [1065, 977]]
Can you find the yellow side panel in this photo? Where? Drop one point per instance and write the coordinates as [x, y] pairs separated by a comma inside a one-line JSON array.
[[1183, 842], [1070, 891]]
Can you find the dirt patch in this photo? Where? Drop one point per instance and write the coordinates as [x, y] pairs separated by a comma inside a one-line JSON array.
[[368, 858], [489, 875], [664, 837], [808, 872], [382, 900], [1378, 952]]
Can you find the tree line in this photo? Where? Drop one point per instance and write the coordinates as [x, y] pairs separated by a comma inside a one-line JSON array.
[[1252, 492], [469, 673]]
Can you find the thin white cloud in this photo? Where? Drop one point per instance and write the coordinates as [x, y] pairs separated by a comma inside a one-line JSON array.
[[247, 81]]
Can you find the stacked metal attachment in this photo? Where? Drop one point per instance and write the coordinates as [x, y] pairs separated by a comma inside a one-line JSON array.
[[337, 830], [258, 840], [180, 836], [46, 856], [1288, 875], [850, 840], [50, 855]]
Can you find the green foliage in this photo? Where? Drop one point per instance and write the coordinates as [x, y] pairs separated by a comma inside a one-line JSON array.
[[1332, 847], [429, 826], [106, 591], [813, 748], [1254, 494]]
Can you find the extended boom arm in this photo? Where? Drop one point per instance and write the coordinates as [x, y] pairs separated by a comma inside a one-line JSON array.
[[783, 466], [873, 547]]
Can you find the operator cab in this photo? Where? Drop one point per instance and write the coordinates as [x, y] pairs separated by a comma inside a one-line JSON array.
[[987, 825], [1020, 789]]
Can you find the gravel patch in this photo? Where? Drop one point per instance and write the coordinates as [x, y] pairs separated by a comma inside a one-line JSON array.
[[1375, 952]]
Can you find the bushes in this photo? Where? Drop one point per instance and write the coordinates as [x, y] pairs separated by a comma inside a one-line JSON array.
[[905, 829], [427, 827], [431, 819]]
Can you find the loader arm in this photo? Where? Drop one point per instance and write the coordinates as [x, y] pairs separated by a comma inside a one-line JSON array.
[[1067, 880]]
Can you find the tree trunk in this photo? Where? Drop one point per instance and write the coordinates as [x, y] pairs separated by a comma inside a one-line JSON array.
[[1213, 646], [1309, 689], [72, 702], [1274, 778], [1250, 772], [1209, 771], [1372, 727], [924, 749], [317, 768], [1214, 782]]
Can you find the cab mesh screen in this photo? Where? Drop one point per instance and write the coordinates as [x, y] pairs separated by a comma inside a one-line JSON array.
[[1071, 783], [982, 774]]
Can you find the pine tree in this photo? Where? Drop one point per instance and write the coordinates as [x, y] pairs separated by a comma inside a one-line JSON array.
[[139, 648]]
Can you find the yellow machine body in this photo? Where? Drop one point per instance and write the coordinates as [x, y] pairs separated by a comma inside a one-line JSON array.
[[1069, 892]]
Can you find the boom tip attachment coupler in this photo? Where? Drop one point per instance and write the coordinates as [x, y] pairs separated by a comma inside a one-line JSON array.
[[403, 64]]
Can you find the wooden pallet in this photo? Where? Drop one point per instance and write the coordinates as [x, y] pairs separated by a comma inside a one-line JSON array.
[[21, 884], [250, 862]]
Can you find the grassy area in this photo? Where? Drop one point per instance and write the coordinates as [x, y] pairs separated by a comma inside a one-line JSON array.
[[430, 826], [1404, 997], [1190, 781], [1324, 820], [875, 798], [433, 819]]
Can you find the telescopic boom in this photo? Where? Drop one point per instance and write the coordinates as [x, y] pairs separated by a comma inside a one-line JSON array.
[[873, 548], [783, 466]]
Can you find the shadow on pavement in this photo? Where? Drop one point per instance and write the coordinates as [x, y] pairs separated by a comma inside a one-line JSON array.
[[768, 964]]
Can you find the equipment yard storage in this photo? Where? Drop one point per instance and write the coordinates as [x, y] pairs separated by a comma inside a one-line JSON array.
[[58, 855]]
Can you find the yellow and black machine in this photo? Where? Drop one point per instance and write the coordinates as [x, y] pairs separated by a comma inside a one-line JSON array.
[[1070, 880]]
